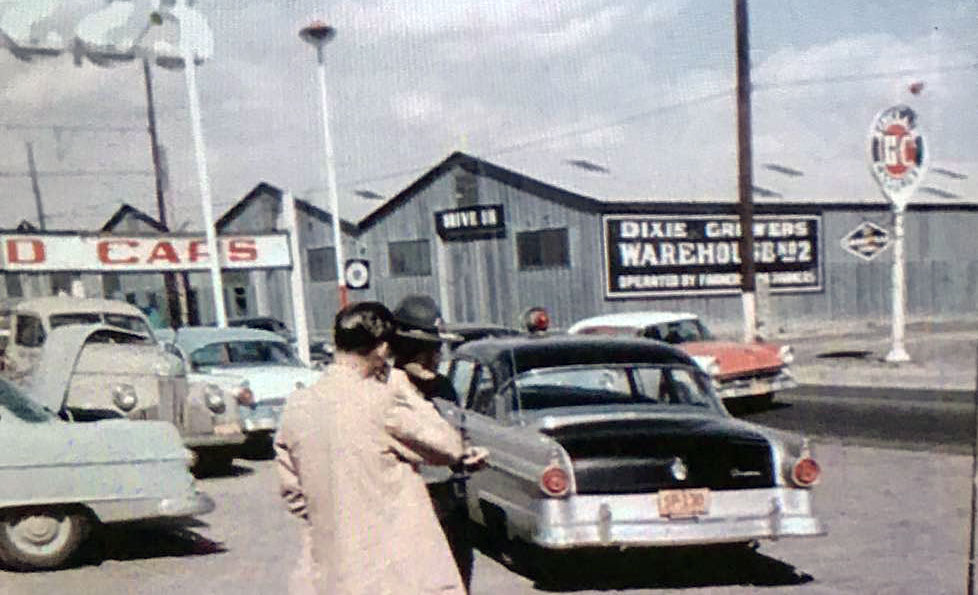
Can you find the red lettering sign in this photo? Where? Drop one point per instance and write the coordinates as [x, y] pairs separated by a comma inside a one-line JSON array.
[[36, 248], [163, 251], [104, 249], [242, 250], [198, 250]]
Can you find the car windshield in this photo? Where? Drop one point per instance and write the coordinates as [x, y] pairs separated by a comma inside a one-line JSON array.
[[679, 331], [123, 321], [18, 404], [243, 353], [581, 386]]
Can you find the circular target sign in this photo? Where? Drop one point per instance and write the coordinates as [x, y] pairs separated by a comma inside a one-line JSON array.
[[357, 273]]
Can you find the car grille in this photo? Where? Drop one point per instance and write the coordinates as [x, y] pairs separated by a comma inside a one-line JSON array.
[[641, 456]]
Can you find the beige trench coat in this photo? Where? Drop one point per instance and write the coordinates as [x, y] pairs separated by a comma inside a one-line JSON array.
[[347, 452]]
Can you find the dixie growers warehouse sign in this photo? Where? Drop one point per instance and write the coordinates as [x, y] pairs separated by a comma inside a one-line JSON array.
[[669, 255], [100, 253]]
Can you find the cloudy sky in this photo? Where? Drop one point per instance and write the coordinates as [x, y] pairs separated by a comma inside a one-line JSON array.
[[644, 89]]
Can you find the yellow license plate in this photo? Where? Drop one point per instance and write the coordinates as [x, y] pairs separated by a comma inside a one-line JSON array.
[[226, 429], [684, 503]]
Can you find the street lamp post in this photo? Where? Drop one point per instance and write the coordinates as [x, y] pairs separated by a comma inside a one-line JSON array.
[[318, 34]]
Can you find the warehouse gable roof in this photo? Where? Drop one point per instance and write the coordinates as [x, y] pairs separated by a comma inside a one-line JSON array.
[[265, 189]]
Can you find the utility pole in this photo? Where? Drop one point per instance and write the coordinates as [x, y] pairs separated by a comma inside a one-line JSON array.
[[35, 186], [745, 176], [169, 279]]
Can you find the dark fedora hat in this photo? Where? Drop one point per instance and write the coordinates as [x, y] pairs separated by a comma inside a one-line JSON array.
[[418, 317]]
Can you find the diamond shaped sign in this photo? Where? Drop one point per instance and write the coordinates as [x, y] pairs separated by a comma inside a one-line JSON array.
[[866, 241]]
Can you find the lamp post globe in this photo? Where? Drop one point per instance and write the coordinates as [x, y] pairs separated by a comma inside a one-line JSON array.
[[317, 34]]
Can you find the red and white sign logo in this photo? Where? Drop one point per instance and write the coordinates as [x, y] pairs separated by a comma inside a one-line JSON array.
[[896, 152]]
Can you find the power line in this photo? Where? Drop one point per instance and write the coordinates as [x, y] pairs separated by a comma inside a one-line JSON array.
[[71, 127], [78, 173]]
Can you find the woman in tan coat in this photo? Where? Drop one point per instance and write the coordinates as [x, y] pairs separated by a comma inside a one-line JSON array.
[[348, 451]]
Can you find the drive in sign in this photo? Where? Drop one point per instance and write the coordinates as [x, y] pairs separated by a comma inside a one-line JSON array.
[[664, 255]]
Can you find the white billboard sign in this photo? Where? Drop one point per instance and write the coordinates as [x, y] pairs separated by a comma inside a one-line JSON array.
[[123, 254]]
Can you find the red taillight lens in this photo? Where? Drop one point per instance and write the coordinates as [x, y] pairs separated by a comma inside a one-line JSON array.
[[805, 473], [554, 481], [244, 396]]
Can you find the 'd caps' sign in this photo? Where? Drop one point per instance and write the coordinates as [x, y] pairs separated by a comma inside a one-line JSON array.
[[100, 253], [470, 222], [668, 255], [896, 153]]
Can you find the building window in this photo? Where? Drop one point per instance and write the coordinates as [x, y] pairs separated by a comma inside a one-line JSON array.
[[411, 258], [466, 189], [14, 288], [546, 248], [322, 264]]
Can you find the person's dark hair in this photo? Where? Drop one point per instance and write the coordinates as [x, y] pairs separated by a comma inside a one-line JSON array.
[[362, 326]]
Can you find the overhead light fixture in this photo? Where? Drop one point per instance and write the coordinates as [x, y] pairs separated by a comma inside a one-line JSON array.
[[368, 194], [759, 191], [948, 173], [939, 192], [783, 169], [588, 166]]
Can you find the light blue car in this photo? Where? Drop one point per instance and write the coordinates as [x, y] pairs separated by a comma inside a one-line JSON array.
[[258, 367], [58, 479]]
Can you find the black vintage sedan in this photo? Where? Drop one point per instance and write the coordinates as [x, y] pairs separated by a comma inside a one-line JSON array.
[[599, 441]]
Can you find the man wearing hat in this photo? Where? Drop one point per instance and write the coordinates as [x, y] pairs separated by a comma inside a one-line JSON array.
[[347, 454], [416, 348]]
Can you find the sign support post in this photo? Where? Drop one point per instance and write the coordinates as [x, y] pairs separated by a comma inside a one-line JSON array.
[[898, 162], [299, 320]]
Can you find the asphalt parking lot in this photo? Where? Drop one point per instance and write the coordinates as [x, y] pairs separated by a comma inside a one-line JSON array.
[[898, 523]]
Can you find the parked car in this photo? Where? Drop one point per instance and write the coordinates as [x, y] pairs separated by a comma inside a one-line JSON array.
[[321, 353], [473, 331], [617, 442], [118, 369], [258, 367], [59, 479], [264, 323], [755, 371]]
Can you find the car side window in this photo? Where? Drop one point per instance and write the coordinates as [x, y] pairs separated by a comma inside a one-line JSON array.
[[30, 331], [461, 373], [483, 399]]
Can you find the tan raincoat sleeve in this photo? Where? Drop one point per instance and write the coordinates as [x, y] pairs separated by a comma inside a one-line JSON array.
[[422, 435]]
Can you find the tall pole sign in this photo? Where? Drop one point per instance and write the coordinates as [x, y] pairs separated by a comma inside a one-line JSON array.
[[898, 161]]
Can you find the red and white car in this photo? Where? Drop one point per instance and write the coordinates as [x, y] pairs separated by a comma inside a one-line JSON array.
[[752, 370]]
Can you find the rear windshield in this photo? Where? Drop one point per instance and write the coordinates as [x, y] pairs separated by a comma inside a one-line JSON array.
[[123, 321], [243, 353], [580, 386]]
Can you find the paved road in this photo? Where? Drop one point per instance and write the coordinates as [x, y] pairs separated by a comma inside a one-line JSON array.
[[944, 422], [897, 522]]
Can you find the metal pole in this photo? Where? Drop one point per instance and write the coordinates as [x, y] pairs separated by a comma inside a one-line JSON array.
[[214, 257], [745, 182], [973, 545], [334, 201], [169, 279], [300, 321], [897, 352], [35, 186]]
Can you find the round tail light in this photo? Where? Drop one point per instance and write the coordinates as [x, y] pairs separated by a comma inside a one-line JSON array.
[[554, 481], [805, 473]]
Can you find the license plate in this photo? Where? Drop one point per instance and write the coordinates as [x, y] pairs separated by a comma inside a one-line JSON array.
[[684, 503], [760, 386], [226, 429]]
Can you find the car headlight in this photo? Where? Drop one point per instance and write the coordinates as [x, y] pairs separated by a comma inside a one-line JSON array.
[[787, 354], [124, 397], [214, 398], [708, 364]]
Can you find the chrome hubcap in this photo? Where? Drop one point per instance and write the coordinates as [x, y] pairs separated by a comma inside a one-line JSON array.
[[38, 533]]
